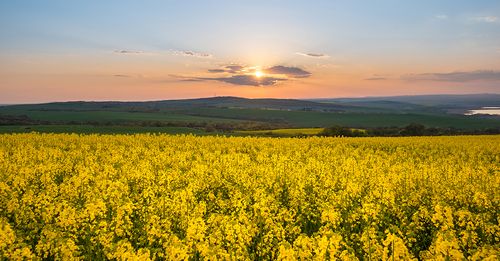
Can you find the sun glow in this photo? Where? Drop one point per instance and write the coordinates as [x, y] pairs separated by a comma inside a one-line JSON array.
[[258, 73]]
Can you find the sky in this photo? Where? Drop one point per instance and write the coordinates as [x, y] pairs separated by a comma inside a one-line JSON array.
[[62, 50]]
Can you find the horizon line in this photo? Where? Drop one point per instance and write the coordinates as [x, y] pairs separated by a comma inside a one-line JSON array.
[[229, 96]]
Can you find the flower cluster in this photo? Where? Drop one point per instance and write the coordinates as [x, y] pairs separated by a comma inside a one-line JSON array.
[[141, 197]]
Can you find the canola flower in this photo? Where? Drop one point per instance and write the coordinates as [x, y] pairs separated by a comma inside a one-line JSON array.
[[160, 197]]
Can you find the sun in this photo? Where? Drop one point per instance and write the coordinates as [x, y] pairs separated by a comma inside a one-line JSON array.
[[258, 73]]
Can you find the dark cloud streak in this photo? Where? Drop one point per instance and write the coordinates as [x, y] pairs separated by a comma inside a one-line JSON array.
[[293, 72], [248, 80]]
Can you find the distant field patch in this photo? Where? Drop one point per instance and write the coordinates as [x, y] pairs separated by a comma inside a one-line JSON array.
[[89, 129], [285, 132]]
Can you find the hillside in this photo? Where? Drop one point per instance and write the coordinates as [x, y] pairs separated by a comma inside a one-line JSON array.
[[234, 113]]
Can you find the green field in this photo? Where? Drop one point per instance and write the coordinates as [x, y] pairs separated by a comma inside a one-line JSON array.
[[232, 114], [87, 129], [105, 116], [302, 119]]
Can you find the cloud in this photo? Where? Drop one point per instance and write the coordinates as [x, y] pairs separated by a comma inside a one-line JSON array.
[[192, 54], [248, 80], [128, 52], [293, 72], [233, 69], [244, 75], [313, 55], [376, 79], [480, 75], [216, 70], [171, 52], [121, 75], [484, 19], [441, 16]]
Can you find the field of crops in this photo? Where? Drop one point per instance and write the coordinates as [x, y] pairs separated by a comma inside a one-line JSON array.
[[177, 197], [284, 132]]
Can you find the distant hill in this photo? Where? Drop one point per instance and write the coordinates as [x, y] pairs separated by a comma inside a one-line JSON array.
[[448, 103], [214, 102], [444, 111], [416, 103]]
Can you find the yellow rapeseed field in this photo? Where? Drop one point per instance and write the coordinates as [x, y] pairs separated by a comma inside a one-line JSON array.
[[135, 197]]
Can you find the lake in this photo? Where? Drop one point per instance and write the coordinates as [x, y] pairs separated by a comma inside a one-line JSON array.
[[485, 110]]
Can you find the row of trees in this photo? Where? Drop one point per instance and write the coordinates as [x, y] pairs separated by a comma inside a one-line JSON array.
[[413, 129], [228, 126]]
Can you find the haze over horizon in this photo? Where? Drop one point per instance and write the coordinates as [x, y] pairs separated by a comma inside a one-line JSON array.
[[159, 50]]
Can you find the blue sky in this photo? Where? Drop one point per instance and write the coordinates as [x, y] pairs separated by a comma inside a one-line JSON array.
[[174, 43]]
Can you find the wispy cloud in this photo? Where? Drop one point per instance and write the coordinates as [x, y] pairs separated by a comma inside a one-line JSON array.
[[170, 52], [122, 75], [245, 75], [441, 17], [313, 55], [191, 54], [485, 19], [480, 75], [376, 79], [129, 52]]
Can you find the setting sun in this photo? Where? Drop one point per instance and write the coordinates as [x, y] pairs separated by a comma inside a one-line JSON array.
[[258, 73]]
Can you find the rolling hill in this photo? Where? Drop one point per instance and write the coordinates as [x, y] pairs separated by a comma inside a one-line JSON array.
[[443, 111]]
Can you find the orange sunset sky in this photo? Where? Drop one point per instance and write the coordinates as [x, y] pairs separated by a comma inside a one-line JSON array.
[[154, 50]]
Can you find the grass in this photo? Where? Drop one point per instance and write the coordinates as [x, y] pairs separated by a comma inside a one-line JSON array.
[[303, 119], [108, 116], [294, 119]]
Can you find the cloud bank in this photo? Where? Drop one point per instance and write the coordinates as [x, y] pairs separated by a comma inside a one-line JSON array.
[[245, 76], [248, 80]]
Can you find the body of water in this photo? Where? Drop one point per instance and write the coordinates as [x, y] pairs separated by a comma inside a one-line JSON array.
[[485, 110]]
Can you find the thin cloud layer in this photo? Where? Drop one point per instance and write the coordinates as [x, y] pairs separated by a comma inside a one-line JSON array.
[[441, 16], [313, 55], [481, 75], [376, 79], [243, 75], [485, 19], [128, 52], [192, 54]]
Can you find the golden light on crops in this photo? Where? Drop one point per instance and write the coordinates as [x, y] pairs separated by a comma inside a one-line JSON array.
[[151, 196]]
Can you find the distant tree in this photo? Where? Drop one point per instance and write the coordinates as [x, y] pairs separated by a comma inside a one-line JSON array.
[[342, 131], [414, 129]]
